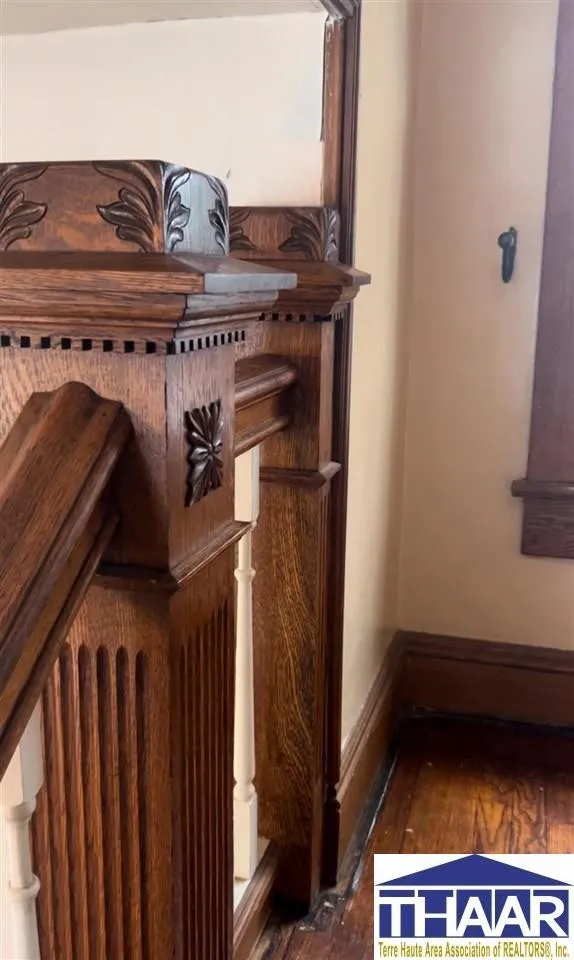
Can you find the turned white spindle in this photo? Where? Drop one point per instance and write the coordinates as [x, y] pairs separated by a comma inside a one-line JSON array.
[[245, 839], [18, 790]]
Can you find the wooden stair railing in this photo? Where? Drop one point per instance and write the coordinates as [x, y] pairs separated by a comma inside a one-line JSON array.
[[55, 523], [56, 519]]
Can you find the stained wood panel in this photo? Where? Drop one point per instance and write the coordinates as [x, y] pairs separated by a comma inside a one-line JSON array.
[[289, 646]]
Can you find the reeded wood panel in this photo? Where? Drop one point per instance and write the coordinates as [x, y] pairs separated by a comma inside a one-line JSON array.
[[103, 828], [203, 658]]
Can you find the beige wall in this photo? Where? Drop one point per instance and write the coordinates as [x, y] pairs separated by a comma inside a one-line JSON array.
[[389, 37], [222, 96], [481, 159]]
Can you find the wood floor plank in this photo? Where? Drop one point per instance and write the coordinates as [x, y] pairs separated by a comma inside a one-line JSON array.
[[559, 791], [529, 817], [456, 788], [389, 831], [494, 812], [443, 810], [561, 838]]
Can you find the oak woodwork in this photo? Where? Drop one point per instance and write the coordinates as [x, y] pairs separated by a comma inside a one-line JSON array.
[[55, 465], [306, 240], [208, 354], [255, 908], [102, 837], [502, 680], [332, 111], [548, 519], [289, 647], [341, 9], [285, 233], [263, 399], [290, 555], [133, 835], [339, 181], [146, 272], [204, 435], [114, 205]]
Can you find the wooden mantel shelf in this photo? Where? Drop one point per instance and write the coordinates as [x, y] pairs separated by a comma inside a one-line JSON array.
[[138, 273]]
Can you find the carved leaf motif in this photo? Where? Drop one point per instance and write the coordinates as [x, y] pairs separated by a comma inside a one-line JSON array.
[[219, 215], [18, 215], [136, 214], [238, 239], [177, 214], [314, 234], [204, 434], [331, 218]]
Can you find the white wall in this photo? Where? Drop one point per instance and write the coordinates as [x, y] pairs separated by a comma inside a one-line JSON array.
[[240, 98], [484, 113]]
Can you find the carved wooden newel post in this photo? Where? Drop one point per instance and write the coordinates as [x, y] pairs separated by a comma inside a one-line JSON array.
[[116, 275]]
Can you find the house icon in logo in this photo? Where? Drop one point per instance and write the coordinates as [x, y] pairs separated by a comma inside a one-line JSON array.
[[474, 897]]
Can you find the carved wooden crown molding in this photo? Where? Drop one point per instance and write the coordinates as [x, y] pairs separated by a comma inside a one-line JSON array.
[[302, 239], [86, 248], [285, 233], [146, 206], [18, 214]]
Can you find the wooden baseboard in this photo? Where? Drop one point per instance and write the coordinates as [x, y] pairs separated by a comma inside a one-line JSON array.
[[477, 677], [450, 675], [253, 912], [368, 747]]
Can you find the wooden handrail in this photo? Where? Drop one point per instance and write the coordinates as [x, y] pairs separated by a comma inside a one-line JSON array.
[[55, 523]]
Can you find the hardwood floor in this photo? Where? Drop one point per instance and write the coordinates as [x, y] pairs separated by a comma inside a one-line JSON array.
[[456, 788]]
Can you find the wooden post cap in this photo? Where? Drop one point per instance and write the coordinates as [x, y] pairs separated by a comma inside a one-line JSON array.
[[112, 205]]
